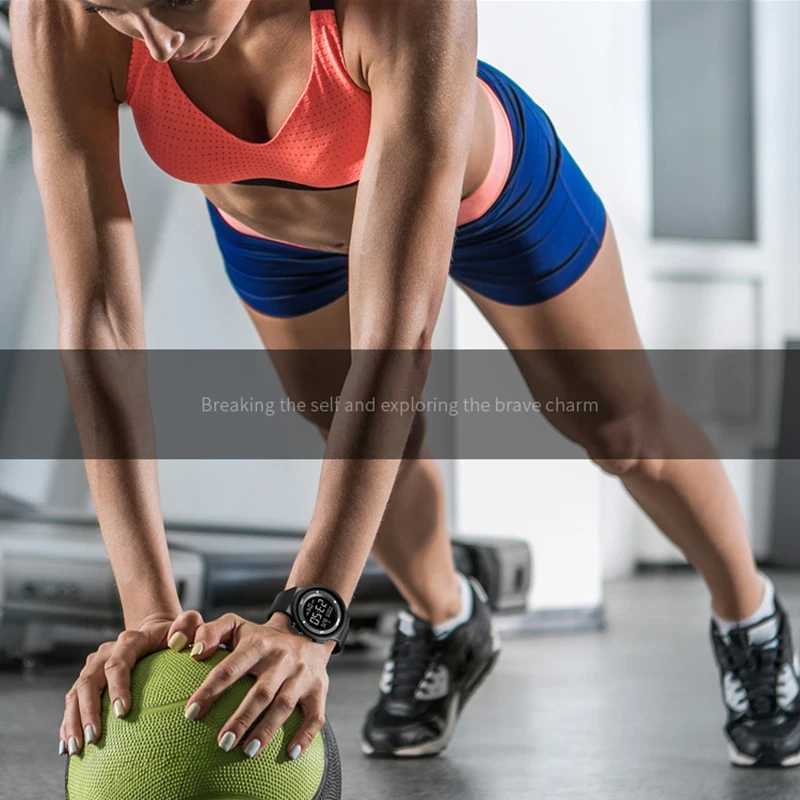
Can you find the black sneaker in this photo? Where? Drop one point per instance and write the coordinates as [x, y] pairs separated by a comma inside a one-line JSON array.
[[427, 682], [760, 676]]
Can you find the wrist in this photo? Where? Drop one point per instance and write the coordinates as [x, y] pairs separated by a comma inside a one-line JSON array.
[[135, 620], [281, 623], [148, 601]]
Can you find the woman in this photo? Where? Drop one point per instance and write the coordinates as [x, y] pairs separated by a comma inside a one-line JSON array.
[[341, 199]]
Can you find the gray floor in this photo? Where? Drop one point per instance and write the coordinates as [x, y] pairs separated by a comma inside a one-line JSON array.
[[633, 712]]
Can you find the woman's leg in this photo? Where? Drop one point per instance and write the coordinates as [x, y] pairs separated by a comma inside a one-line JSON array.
[[640, 435], [412, 544]]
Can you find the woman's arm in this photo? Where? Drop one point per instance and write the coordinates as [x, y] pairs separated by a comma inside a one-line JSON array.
[[420, 61], [62, 59]]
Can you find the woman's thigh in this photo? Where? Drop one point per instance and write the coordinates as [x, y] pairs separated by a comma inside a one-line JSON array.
[[310, 352], [583, 345]]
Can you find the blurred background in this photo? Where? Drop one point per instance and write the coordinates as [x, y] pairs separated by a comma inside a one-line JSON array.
[[684, 115]]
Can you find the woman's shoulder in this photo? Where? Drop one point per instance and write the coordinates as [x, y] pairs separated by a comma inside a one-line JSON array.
[[58, 37]]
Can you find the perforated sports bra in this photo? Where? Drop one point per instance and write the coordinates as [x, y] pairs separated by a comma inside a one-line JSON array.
[[320, 146]]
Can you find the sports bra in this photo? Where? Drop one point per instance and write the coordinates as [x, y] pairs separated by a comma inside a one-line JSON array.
[[321, 145]]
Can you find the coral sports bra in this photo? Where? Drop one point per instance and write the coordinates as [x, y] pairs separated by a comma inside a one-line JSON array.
[[320, 146]]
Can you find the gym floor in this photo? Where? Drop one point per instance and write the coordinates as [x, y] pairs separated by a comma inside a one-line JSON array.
[[633, 712]]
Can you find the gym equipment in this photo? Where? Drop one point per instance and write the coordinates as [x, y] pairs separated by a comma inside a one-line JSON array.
[[504, 567], [155, 753], [57, 587], [244, 573]]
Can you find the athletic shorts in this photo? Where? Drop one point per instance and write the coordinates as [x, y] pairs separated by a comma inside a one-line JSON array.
[[539, 236]]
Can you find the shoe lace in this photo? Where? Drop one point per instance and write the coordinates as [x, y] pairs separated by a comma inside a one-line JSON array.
[[757, 666], [412, 656]]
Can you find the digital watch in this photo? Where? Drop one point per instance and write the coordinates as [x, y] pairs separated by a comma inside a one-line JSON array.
[[316, 612]]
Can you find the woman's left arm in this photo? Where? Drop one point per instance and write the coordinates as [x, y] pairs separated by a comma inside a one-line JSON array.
[[420, 65]]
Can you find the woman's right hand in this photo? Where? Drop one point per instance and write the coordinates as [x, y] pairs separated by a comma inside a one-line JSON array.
[[110, 666]]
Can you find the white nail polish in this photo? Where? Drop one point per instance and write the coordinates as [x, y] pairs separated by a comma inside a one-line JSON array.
[[294, 754], [252, 748], [192, 712], [177, 641], [88, 734], [73, 745], [226, 743], [62, 747], [119, 709]]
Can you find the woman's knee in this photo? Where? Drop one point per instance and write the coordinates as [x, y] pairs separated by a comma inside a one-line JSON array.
[[635, 445]]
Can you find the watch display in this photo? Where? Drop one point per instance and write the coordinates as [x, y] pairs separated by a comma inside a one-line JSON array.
[[319, 611], [316, 612]]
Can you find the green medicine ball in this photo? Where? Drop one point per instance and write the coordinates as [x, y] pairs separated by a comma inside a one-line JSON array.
[[155, 753]]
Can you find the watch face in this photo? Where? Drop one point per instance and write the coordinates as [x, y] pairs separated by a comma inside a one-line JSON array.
[[320, 612]]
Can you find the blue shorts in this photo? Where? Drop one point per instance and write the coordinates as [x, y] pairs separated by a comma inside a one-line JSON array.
[[540, 235]]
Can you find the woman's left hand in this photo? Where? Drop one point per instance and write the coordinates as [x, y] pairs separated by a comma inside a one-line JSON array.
[[290, 671]]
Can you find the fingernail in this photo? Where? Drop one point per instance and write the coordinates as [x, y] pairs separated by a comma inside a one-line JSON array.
[[119, 708], [73, 745], [294, 753], [252, 748], [62, 747], [193, 711], [177, 642], [226, 743], [197, 649], [88, 734]]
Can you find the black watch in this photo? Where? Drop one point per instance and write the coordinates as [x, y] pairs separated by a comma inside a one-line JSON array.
[[316, 612]]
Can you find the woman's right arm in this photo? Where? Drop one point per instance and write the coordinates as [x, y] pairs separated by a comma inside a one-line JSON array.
[[63, 60]]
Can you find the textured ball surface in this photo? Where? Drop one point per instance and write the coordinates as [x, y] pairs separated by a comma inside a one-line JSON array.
[[155, 753]]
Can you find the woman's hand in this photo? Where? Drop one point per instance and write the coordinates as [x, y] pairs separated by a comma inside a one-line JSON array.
[[290, 671], [111, 665]]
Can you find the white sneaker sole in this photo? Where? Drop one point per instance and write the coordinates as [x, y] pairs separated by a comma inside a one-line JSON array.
[[741, 760]]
